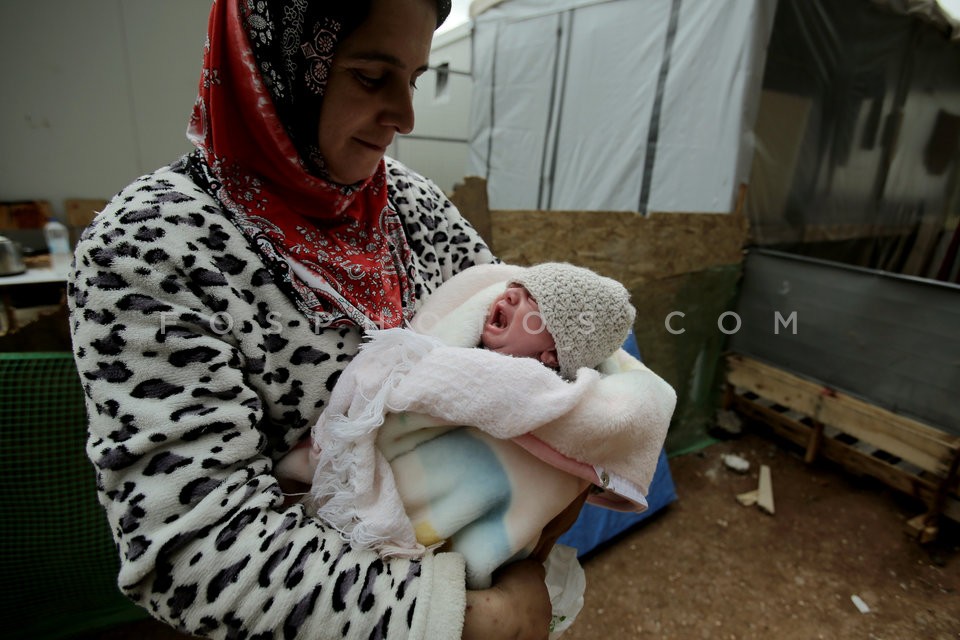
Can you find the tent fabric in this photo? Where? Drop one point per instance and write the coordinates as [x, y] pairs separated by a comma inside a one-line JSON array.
[[858, 139], [519, 102], [943, 14], [590, 104]]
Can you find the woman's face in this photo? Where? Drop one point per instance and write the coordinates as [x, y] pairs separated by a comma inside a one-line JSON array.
[[369, 95]]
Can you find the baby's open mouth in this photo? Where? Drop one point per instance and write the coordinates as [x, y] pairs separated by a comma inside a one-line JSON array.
[[497, 319]]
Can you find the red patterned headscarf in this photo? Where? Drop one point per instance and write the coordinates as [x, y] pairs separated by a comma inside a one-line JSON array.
[[339, 250]]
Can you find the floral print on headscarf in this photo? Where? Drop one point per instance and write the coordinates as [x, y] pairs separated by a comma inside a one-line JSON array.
[[338, 250]]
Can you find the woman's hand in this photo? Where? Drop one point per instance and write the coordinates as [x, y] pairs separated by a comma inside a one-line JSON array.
[[516, 607]]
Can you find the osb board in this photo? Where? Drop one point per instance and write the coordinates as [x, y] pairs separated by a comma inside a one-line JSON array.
[[623, 245]]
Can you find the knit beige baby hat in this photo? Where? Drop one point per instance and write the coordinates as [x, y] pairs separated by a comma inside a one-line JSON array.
[[588, 315]]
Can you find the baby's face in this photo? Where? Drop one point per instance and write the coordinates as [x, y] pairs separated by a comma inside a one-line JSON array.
[[514, 326]]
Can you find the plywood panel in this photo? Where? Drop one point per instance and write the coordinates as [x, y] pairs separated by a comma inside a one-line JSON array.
[[627, 246]]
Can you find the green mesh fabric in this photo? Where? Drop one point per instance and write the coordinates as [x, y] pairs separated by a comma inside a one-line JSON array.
[[58, 563]]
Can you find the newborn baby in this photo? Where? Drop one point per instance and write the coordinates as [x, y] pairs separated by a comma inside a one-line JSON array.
[[429, 441]]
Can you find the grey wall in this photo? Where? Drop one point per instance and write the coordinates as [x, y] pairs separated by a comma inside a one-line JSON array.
[[95, 92]]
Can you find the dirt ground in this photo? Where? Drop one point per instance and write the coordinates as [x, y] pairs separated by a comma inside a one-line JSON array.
[[708, 567]]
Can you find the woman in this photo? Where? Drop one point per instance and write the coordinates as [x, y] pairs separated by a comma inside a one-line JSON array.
[[215, 303]]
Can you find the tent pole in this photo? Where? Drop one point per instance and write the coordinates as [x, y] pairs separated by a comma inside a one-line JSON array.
[[653, 132]]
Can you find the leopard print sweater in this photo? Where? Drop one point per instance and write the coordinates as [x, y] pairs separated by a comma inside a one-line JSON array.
[[199, 374]]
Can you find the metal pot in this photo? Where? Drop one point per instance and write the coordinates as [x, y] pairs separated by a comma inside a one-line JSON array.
[[11, 258]]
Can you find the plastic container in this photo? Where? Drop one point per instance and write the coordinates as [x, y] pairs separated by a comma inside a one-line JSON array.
[[58, 244]]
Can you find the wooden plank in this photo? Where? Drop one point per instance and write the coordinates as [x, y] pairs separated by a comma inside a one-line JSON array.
[[765, 490], [949, 484], [922, 488], [775, 384], [921, 528], [909, 439], [863, 463], [920, 444], [795, 432], [813, 444]]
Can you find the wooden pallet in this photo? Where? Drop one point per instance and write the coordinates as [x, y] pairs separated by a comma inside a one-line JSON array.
[[903, 453]]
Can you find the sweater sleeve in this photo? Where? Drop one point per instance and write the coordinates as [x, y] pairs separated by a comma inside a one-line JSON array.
[[184, 417]]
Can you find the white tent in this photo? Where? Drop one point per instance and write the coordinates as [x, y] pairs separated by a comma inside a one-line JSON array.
[[635, 105]]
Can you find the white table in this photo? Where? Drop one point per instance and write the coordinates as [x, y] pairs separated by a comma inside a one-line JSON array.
[[42, 275]]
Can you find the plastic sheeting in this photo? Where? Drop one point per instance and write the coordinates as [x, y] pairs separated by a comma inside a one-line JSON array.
[[943, 14], [857, 138], [627, 105]]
